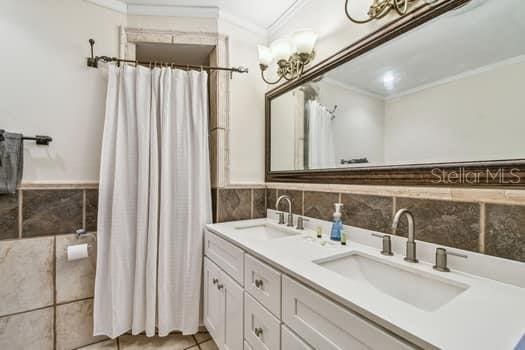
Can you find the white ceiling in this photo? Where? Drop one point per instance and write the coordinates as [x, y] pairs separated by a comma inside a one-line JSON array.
[[263, 13], [476, 36]]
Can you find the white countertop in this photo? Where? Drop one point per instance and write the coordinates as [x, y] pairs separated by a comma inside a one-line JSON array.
[[488, 315]]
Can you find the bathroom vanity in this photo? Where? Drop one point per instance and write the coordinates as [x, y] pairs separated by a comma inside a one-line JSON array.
[[269, 286]]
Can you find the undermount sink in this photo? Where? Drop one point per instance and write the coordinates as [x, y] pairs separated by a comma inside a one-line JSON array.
[[264, 232], [419, 289]]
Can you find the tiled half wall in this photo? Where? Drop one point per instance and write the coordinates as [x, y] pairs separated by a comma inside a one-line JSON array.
[[485, 221], [46, 302]]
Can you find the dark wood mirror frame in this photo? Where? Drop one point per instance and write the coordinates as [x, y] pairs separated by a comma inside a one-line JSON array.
[[507, 173]]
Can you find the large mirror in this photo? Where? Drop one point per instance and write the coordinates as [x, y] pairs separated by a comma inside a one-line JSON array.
[[448, 91]]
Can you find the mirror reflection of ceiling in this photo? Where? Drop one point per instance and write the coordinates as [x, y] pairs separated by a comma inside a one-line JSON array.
[[475, 37]]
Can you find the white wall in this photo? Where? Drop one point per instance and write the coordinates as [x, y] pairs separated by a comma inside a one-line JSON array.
[[246, 137], [479, 117], [358, 127], [46, 88], [283, 131]]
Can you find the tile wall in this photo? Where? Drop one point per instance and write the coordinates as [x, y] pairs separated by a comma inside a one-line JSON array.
[[46, 301], [486, 221]]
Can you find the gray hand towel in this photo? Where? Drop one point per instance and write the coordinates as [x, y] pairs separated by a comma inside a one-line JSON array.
[[11, 162]]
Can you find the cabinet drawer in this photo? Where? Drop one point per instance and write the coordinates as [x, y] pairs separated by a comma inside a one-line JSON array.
[[263, 283], [227, 256], [261, 329], [247, 346], [328, 326], [289, 341]]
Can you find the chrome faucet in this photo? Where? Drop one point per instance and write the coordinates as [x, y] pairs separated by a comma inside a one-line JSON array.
[[411, 243], [290, 215]]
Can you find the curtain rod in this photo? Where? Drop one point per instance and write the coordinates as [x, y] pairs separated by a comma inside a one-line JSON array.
[[93, 62]]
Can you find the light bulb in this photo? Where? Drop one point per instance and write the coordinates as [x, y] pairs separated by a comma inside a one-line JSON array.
[[281, 49], [304, 40], [265, 55], [389, 80]]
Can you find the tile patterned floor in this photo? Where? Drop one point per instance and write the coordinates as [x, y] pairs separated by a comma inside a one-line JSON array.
[[199, 341]]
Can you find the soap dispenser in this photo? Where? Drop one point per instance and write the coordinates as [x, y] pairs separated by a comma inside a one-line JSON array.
[[337, 226]]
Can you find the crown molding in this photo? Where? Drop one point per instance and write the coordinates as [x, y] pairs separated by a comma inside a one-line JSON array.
[[286, 16], [470, 73], [202, 12], [352, 88], [249, 26], [173, 11], [115, 5]]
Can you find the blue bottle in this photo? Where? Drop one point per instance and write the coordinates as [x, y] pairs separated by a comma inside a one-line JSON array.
[[337, 226]]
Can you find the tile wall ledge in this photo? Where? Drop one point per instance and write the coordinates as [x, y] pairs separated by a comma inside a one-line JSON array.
[[500, 196], [58, 185], [243, 185]]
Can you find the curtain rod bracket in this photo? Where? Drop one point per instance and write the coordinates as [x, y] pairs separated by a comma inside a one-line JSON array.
[[92, 61]]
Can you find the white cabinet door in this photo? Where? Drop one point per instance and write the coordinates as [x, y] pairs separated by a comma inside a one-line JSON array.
[[261, 329], [263, 283], [289, 341], [213, 302], [227, 256], [233, 313], [328, 326]]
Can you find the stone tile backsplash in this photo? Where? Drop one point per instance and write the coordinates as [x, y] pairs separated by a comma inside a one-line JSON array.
[[368, 212], [259, 203], [494, 229], [234, 204], [454, 224], [320, 205], [505, 231]]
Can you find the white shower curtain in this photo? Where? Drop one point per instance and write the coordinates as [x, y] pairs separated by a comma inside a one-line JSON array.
[[154, 200], [321, 150]]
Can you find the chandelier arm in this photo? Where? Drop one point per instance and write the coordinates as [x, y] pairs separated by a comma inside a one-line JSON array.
[[353, 19], [399, 10], [383, 14], [270, 82]]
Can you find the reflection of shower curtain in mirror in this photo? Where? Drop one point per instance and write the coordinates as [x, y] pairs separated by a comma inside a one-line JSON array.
[[321, 152], [299, 130]]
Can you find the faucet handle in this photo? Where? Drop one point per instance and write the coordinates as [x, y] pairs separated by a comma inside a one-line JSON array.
[[300, 222], [280, 217], [387, 244], [441, 259], [290, 220]]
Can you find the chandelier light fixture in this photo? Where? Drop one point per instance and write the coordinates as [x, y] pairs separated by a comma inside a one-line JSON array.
[[381, 8], [291, 54]]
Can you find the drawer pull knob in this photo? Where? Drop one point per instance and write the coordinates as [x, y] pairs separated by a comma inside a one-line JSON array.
[[258, 283], [215, 281], [258, 332], [220, 286]]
